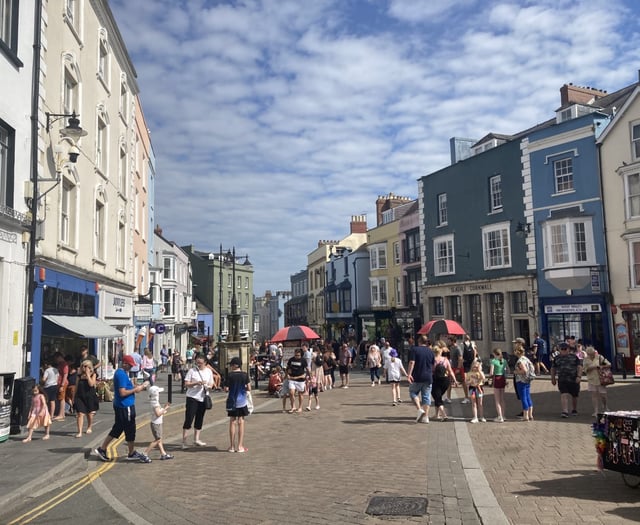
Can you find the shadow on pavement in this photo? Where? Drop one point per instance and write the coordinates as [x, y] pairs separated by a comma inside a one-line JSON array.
[[580, 485]]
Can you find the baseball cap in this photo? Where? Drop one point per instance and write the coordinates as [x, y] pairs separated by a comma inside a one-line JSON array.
[[128, 360], [235, 361], [154, 391]]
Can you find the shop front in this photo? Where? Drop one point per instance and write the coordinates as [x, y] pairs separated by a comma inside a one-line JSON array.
[[585, 317], [64, 318]]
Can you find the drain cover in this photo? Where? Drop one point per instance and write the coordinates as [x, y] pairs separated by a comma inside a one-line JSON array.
[[397, 506]]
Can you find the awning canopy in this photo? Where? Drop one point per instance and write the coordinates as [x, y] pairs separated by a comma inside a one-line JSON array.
[[89, 327]]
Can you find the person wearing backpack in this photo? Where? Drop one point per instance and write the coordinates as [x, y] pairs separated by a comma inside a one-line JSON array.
[[524, 373], [469, 355], [443, 376]]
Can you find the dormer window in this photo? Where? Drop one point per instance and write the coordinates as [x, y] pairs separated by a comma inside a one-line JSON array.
[[571, 112]]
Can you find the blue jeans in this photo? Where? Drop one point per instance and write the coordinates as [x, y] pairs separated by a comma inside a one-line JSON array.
[[524, 391], [374, 373], [422, 389]]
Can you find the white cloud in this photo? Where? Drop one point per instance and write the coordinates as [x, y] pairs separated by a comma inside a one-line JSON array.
[[274, 121]]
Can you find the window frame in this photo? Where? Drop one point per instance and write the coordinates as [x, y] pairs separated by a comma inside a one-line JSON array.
[[99, 227], [495, 194], [635, 140], [443, 218], [563, 180], [9, 26], [378, 256], [68, 210], [634, 262], [381, 295], [629, 198], [7, 164], [448, 241], [569, 243], [503, 252]]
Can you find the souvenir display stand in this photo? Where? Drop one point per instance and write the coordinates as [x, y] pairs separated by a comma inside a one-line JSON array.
[[617, 436]]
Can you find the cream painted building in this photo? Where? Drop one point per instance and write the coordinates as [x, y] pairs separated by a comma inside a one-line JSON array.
[[620, 171], [316, 268], [89, 204]]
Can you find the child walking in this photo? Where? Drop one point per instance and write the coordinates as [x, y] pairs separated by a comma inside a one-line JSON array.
[[394, 369], [157, 412], [312, 389], [475, 379], [39, 415], [238, 385]]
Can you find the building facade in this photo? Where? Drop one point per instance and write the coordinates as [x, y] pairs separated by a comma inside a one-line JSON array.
[[18, 38], [619, 156]]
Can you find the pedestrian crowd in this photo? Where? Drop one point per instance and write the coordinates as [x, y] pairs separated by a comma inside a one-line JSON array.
[[433, 369]]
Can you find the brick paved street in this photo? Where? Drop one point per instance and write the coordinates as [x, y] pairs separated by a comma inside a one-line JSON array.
[[325, 466]]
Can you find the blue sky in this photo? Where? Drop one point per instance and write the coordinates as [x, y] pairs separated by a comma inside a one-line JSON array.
[[274, 121]]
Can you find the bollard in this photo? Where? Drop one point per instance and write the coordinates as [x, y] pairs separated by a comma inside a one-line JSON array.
[[169, 388]]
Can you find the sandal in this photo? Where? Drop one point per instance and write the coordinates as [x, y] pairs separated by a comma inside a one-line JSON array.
[[78, 435], [243, 449], [231, 449], [89, 431], [44, 438], [26, 440]]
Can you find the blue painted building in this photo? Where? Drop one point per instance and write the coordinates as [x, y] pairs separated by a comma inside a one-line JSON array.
[[564, 210]]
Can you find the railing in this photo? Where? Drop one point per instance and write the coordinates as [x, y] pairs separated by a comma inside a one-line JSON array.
[[13, 214]]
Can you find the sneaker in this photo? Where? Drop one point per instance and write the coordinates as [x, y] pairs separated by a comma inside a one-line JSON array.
[[474, 420], [498, 420], [144, 458], [564, 414], [394, 404], [426, 419], [185, 446], [465, 401], [136, 456], [102, 454], [166, 456], [448, 401], [420, 416], [574, 413], [399, 400], [483, 420], [199, 443]]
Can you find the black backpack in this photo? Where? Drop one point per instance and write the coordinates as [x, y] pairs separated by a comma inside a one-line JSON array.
[[440, 371], [467, 353]]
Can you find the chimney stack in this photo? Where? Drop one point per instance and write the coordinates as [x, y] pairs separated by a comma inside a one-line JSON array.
[[358, 224], [570, 94]]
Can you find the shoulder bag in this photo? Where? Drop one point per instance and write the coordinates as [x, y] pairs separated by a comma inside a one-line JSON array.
[[208, 403], [605, 373]]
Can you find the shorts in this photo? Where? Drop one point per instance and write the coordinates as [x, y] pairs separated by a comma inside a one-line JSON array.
[[298, 386], [475, 391], [422, 389], [499, 381], [125, 422], [238, 412], [313, 390], [569, 387], [597, 388], [344, 369], [156, 430], [458, 373]]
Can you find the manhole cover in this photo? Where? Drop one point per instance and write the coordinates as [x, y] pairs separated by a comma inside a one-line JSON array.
[[397, 506]]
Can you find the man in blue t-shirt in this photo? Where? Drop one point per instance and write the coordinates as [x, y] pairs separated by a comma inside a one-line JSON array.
[[124, 407], [420, 376]]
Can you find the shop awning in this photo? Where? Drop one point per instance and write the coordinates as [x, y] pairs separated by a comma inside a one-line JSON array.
[[89, 327]]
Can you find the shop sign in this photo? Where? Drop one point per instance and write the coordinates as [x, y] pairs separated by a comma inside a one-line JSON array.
[[118, 306], [572, 309], [142, 313], [595, 281]]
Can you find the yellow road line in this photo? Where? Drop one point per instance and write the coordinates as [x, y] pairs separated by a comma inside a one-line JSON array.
[[53, 502]]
